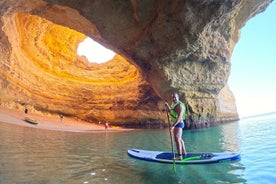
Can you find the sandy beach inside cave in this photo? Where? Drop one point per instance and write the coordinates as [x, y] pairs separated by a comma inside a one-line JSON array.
[[53, 122]]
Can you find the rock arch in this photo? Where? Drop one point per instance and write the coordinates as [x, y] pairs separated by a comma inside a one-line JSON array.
[[183, 46]]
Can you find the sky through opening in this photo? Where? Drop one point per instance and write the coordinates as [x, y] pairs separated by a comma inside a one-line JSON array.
[[253, 71], [94, 52]]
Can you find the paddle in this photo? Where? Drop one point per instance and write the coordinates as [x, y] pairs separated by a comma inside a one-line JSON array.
[[169, 122]]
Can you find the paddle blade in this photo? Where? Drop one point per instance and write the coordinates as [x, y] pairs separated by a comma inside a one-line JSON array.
[[174, 168]]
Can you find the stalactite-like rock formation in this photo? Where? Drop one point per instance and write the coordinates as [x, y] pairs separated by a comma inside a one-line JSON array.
[[161, 46]]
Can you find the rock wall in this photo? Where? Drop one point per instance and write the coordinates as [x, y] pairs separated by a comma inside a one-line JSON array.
[[161, 46]]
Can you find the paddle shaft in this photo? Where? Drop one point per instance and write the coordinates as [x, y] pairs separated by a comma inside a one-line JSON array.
[[169, 122]]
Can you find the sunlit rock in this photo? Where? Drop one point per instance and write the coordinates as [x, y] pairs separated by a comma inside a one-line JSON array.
[[161, 46]]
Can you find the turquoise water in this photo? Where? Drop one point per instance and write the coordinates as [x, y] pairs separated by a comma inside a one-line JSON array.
[[30, 155]]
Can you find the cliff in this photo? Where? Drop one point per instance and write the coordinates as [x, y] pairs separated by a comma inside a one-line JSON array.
[[161, 46]]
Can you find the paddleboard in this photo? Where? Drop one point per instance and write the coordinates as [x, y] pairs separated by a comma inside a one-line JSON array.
[[30, 120], [190, 158]]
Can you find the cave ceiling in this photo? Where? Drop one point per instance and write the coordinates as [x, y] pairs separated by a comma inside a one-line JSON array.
[[160, 46]]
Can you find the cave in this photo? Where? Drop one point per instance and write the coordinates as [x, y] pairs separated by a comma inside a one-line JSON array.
[[160, 46]]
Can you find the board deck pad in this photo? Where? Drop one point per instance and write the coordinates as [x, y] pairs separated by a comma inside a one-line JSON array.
[[170, 156], [190, 158]]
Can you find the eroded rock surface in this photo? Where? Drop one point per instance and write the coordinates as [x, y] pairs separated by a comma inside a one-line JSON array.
[[162, 46]]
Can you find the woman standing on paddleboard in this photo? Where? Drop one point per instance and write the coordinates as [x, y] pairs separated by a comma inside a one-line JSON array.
[[177, 116]]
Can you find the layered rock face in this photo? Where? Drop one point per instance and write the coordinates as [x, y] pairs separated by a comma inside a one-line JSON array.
[[161, 46]]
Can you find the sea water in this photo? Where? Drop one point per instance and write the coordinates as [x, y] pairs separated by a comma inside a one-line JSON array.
[[29, 155]]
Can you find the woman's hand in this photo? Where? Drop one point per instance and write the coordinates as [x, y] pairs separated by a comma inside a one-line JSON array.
[[171, 128], [167, 106]]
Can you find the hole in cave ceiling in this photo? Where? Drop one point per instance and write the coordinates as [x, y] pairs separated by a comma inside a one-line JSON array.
[[94, 52]]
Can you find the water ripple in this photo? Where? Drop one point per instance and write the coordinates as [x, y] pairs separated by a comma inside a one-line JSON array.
[[41, 156]]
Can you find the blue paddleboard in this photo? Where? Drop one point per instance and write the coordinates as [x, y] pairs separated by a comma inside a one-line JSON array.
[[190, 158]]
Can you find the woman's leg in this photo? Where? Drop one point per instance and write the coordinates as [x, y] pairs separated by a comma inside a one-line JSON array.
[[180, 145], [183, 147], [178, 139]]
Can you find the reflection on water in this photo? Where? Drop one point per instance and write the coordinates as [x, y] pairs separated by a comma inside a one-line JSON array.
[[40, 156]]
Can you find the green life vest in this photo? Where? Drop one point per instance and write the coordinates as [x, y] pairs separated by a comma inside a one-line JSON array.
[[173, 114]]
